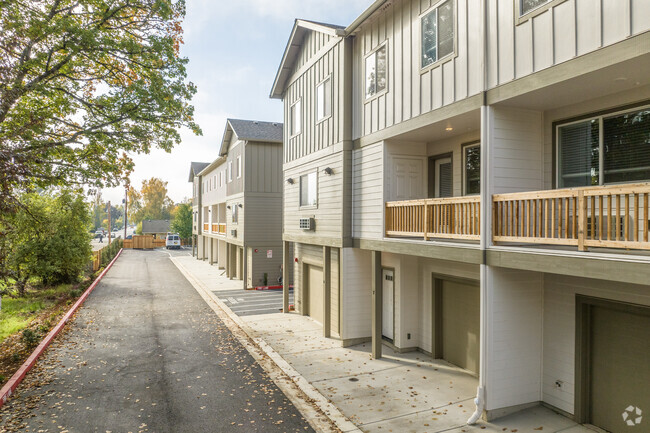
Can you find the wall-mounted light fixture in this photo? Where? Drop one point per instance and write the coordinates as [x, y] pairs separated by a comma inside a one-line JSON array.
[[290, 181], [240, 205], [328, 171], [228, 207]]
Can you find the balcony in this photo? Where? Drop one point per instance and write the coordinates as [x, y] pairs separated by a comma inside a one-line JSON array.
[[219, 229], [441, 218], [613, 216], [206, 227]]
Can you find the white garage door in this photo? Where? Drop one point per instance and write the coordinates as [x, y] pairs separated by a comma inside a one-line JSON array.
[[315, 292]]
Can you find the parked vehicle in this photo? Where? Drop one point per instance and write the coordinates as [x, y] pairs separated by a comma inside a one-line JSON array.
[[173, 241]]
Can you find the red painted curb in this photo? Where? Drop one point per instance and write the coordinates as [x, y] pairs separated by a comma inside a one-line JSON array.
[[18, 377]]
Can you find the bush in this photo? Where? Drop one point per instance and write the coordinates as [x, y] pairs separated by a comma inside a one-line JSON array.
[[30, 338]]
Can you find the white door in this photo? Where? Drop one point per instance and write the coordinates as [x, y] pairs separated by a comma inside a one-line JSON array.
[[408, 179], [388, 307], [315, 292], [443, 178], [249, 270]]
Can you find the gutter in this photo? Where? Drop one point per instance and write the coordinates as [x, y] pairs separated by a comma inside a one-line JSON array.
[[364, 16], [212, 165]]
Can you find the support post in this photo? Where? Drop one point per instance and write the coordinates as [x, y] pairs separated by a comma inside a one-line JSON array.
[[377, 303], [327, 291], [582, 220], [228, 260], [286, 263]]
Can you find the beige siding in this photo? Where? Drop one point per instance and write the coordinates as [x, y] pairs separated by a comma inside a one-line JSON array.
[[568, 29], [328, 213], [263, 219], [312, 43], [263, 167], [261, 264], [213, 193], [559, 329], [368, 191], [315, 135], [413, 91], [236, 150], [356, 294], [239, 225]]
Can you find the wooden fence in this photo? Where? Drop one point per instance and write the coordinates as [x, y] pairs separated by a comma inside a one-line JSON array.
[[144, 242], [603, 216], [446, 218]]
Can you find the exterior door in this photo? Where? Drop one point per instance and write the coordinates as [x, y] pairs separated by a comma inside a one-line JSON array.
[[249, 269], [408, 179], [388, 307], [315, 292], [441, 177], [619, 366], [461, 324]]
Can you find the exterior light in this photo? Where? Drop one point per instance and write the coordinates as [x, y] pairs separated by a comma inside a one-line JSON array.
[[228, 207], [240, 205], [290, 181], [449, 128], [328, 171]]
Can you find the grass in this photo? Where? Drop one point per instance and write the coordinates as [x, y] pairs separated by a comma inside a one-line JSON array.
[[17, 313]]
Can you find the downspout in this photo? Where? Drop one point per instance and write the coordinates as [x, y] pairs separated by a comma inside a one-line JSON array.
[[479, 401]]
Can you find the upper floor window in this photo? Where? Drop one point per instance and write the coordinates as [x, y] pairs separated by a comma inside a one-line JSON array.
[[437, 33], [309, 189], [238, 167], [472, 169], [295, 118], [376, 76], [324, 99], [229, 171], [605, 149], [235, 213], [526, 6]]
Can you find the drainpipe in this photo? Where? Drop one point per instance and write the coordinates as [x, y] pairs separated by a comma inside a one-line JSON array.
[[486, 223]]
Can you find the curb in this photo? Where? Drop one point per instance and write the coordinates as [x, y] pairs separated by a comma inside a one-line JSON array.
[[18, 377], [327, 408]]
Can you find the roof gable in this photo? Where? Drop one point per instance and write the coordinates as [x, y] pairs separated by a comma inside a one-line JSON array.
[[196, 168], [250, 130]]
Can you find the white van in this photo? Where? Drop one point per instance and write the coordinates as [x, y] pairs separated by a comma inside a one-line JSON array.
[[173, 241]]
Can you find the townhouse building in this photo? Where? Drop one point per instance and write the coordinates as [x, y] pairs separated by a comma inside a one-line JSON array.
[[238, 203], [470, 179]]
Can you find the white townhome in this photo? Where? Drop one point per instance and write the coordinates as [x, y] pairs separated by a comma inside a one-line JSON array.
[[470, 179], [238, 203]]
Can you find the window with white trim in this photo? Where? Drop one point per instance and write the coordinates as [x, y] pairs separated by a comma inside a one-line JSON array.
[[238, 167], [613, 148], [472, 169], [376, 75], [229, 171], [295, 118], [235, 213], [437, 33], [309, 189], [324, 99]]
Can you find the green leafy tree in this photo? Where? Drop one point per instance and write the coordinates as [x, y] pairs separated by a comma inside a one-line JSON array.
[[152, 202], [182, 222], [46, 239], [83, 83]]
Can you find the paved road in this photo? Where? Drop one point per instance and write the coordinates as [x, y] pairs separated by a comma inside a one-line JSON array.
[[252, 302], [146, 354]]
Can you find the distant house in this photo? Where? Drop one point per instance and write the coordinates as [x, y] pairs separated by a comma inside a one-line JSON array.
[[158, 228]]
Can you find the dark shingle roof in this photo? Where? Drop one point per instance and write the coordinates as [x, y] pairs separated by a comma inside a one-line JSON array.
[[331, 26], [196, 168], [253, 130], [155, 226]]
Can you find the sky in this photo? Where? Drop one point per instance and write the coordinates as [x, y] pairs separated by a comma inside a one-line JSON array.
[[234, 49]]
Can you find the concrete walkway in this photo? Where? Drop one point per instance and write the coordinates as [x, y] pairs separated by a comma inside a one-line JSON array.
[[408, 392]]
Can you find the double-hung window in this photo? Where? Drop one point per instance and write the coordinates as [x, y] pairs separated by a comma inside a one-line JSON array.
[[612, 148], [229, 171], [324, 99], [295, 118], [238, 167], [472, 169], [376, 75], [235, 213], [437, 33], [309, 189]]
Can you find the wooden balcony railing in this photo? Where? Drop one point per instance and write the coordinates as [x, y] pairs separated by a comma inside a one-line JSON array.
[[206, 227], [447, 218], [603, 216]]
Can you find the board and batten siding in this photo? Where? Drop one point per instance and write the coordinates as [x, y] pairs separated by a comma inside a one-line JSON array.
[[236, 149], [559, 329], [356, 302], [368, 192], [263, 167], [568, 29], [263, 219], [411, 90], [315, 135], [328, 214]]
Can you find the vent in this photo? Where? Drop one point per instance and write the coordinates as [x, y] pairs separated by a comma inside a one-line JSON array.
[[307, 223], [233, 233]]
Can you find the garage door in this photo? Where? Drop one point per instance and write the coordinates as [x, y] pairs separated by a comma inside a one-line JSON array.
[[619, 397], [461, 324], [315, 292]]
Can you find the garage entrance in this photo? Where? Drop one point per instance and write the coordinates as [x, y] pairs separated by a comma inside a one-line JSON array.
[[388, 304], [457, 323], [614, 359], [314, 292]]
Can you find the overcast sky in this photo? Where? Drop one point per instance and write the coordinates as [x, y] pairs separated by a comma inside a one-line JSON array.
[[234, 49]]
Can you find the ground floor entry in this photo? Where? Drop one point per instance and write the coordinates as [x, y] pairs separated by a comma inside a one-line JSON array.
[[314, 292]]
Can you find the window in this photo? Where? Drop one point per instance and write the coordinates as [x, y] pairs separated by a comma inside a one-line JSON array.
[[229, 171], [376, 79], [220, 178], [604, 149], [235, 213], [238, 167], [526, 6], [472, 169], [324, 100], [295, 118], [309, 189], [437, 33]]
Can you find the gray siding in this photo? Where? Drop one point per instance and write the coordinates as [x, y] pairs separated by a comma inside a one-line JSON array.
[[261, 264], [263, 219], [413, 91], [569, 29], [263, 168], [236, 150], [368, 191]]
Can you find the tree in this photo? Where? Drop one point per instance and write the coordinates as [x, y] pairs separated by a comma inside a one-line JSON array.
[[134, 204], [156, 205], [182, 222], [83, 83]]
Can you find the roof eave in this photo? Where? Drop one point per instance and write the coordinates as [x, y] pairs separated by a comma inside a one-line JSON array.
[[364, 16]]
